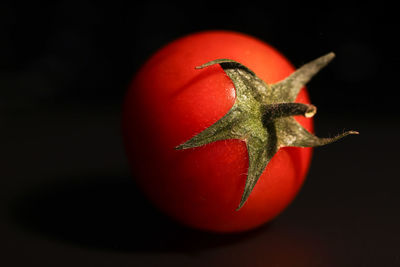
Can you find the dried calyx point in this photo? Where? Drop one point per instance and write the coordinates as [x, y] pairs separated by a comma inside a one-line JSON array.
[[262, 116]]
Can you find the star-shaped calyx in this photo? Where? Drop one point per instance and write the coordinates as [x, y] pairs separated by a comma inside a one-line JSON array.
[[262, 116]]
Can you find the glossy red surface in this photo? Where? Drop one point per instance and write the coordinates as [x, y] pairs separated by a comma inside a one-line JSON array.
[[170, 101]]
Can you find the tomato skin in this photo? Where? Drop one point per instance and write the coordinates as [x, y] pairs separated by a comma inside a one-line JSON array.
[[169, 101]]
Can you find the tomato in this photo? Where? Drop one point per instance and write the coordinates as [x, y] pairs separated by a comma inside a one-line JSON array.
[[169, 101]]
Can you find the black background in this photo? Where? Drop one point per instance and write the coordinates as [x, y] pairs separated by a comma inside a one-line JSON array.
[[67, 196]]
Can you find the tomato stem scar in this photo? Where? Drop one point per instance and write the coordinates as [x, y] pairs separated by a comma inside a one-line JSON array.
[[274, 111]]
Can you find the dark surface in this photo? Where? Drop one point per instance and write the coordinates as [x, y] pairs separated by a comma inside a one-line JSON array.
[[66, 194], [69, 200]]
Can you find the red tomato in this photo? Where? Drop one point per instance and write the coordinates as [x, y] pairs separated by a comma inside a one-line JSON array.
[[169, 101]]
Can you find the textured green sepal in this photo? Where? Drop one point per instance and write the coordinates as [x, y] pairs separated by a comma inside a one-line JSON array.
[[262, 116]]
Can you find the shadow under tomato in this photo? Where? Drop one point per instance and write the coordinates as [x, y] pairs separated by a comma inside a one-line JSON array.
[[107, 212]]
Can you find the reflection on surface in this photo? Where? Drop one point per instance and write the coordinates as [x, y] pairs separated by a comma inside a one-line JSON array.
[[275, 246], [108, 213]]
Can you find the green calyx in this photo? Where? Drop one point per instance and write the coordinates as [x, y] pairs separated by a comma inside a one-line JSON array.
[[262, 116]]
